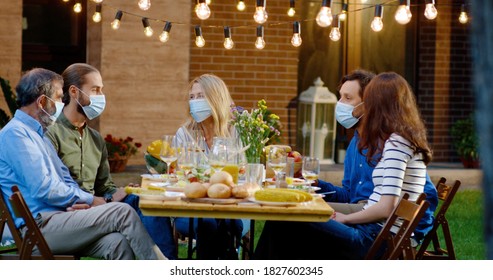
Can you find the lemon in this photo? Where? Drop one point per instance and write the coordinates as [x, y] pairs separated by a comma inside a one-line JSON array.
[[154, 149]]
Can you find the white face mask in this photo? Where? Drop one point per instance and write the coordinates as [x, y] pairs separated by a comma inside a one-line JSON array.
[[96, 107], [344, 114], [200, 109], [58, 109]]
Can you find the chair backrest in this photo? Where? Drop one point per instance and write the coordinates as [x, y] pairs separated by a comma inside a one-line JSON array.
[[6, 219], [398, 246], [446, 194]]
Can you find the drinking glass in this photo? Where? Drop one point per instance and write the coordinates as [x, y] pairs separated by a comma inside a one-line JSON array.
[[218, 156], [276, 159], [169, 153], [186, 158], [311, 168]]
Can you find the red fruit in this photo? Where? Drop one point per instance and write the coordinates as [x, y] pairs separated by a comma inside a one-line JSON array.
[[296, 155]]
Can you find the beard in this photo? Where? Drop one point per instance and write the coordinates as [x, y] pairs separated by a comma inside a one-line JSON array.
[[44, 119]]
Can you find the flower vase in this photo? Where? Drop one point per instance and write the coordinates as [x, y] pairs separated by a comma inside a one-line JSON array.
[[254, 154], [118, 164]]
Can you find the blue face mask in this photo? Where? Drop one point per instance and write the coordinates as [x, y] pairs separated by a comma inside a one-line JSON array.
[[59, 107], [96, 107], [200, 109], [344, 114]]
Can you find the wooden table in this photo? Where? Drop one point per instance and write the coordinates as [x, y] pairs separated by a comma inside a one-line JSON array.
[[316, 211]]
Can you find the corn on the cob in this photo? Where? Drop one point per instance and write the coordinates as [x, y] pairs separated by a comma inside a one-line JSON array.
[[282, 195]]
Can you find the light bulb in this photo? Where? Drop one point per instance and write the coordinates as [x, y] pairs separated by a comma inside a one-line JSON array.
[[144, 5], [291, 12], [296, 39], [95, 1], [164, 36], [430, 11], [77, 8], [96, 17], [403, 14], [343, 13], [241, 6], [202, 11], [260, 15], [66, 1], [228, 42], [335, 34], [259, 43], [377, 24], [148, 31], [463, 17], [208, 2], [115, 24], [324, 17], [199, 41]]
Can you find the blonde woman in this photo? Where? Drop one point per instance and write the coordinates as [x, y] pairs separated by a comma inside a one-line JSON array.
[[210, 110]]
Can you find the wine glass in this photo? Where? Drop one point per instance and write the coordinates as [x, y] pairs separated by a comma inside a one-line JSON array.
[[218, 156], [277, 159], [168, 153], [186, 158], [311, 168]]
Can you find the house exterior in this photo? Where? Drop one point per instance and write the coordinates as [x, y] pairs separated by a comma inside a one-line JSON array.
[[146, 80]]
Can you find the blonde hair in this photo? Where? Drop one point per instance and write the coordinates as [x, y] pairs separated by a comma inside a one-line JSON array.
[[217, 95]]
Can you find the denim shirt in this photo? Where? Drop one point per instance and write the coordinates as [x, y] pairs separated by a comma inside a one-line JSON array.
[[357, 185], [31, 163]]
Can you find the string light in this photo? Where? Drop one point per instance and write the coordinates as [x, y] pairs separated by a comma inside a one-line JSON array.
[[324, 16], [335, 33], [260, 43], [241, 6], [95, 1], [430, 10], [208, 2], [291, 10], [343, 13], [147, 27], [228, 42], [296, 39], [377, 23], [202, 10], [463, 18], [78, 7], [403, 14], [144, 5], [199, 40], [164, 36], [115, 24], [96, 17], [260, 15], [66, 1]]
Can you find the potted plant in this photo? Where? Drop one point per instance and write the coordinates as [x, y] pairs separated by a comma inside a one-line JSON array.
[[465, 141], [119, 151]]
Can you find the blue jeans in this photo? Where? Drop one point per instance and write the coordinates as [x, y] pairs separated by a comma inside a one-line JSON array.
[[302, 240], [159, 228], [215, 237]]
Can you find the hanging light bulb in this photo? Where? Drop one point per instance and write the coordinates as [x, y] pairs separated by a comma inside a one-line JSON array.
[[78, 7], [377, 23], [291, 10], [296, 39], [66, 1], [260, 43], [115, 24], [164, 36], [147, 27], [324, 16], [96, 17], [208, 2], [335, 33], [403, 14], [343, 13], [260, 15], [430, 10], [202, 10], [95, 1], [463, 14], [199, 40], [228, 42], [144, 5], [241, 6]]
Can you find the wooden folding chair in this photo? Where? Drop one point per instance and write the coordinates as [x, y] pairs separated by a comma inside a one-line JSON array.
[[398, 246], [32, 236], [6, 220], [446, 194]]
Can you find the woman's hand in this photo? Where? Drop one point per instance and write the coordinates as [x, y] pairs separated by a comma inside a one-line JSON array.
[[339, 217]]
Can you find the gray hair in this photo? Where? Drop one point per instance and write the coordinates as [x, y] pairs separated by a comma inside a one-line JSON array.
[[34, 83]]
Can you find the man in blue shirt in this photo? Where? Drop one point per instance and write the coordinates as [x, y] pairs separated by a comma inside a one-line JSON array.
[[357, 184], [110, 231]]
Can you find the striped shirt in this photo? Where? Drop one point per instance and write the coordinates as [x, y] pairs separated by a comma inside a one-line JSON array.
[[399, 171]]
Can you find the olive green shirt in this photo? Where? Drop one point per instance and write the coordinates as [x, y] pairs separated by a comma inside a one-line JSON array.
[[85, 155]]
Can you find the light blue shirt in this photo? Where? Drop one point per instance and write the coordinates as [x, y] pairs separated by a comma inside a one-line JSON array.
[[31, 163]]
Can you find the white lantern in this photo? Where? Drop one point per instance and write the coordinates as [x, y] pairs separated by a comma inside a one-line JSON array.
[[316, 123]]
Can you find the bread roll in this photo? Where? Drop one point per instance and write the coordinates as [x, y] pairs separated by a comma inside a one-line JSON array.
[[219, 190], [222, 177], [240, 192], [195, 190]]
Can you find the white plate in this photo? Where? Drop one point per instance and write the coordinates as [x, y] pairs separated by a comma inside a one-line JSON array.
[[167, 196], [159, 177], [310, 189], [277, 203], [213, 200], [160, 185], [168, 187], [296, 182]]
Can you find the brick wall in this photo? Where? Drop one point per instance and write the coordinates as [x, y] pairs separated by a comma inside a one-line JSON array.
[[444, 76], [251, 74]]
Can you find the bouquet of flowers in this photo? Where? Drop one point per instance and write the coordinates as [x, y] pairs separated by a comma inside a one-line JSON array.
[[256, 128], [119, 148]]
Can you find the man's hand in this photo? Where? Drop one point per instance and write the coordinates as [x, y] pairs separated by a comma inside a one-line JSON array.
[[78, 206], [119, 195], [98, 201]]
